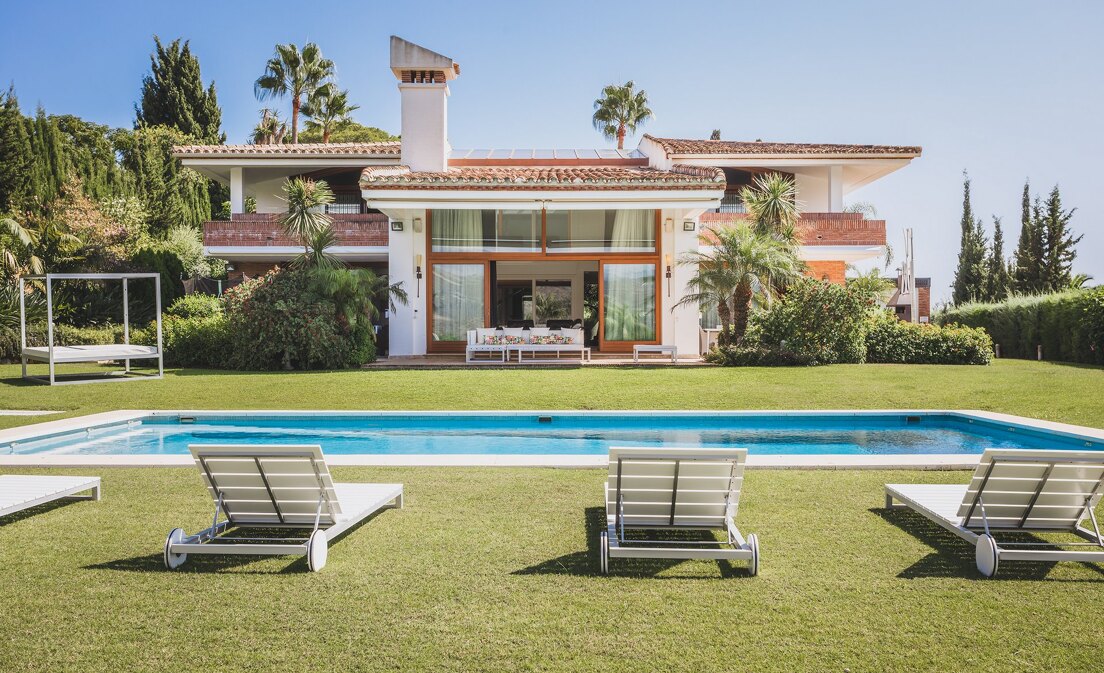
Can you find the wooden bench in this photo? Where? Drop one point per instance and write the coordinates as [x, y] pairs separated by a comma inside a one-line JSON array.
[[654, 348]]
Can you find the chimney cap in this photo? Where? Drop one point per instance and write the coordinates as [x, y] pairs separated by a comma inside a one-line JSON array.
[[407, 56]]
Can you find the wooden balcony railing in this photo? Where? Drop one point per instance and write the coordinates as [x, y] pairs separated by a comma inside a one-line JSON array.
[[263, 229]]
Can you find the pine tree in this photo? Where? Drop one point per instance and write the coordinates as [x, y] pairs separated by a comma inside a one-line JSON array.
[[969, 281], [15, 156], [998, 280], [173, 95], [1028, 258], [1058, 242]]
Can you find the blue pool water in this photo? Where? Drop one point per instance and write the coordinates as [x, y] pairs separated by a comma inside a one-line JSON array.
[[564, 433]]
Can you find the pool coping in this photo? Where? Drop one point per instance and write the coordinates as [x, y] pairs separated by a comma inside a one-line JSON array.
[[38, 431]]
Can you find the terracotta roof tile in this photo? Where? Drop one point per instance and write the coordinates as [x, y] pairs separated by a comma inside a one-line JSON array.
[[380, 149], [544, 178], [682, 146]]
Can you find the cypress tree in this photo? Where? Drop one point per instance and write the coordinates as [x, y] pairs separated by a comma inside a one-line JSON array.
[[15, 156], [969, 281], [173, 95], [1028, 277], [1058, 241], [998, 280]]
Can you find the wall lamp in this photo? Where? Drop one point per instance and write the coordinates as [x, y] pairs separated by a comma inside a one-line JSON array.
[[667, 261], [669, 225], [396, 226], [417, 225], [688, 225], [418, 273]]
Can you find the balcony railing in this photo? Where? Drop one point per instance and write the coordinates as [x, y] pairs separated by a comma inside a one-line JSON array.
[[821, 228], [263, 229]]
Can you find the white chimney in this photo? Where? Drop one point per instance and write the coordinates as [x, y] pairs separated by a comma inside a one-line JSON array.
[[423, 82]]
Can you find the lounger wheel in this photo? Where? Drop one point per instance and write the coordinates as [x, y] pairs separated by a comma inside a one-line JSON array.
[[603, 552], [317, 550], [174, 561], [987, 555], [753, 564]]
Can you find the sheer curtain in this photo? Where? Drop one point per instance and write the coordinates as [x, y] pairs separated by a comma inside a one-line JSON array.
[[629, 302], [457, 300], [457, 230], [633, 230]]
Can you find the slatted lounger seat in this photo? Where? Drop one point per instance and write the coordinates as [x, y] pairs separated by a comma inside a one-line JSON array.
[[1017, 491], [664, 489], [276, 487], [19, 492]]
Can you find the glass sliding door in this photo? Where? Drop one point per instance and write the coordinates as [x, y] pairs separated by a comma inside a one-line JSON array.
[[628, 302], [458, 300]]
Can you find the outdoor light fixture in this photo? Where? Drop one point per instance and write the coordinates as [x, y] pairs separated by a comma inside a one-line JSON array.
[[667, 261], [417, 225], [396, 226], [688, 225], [669, 225], [418, 273]]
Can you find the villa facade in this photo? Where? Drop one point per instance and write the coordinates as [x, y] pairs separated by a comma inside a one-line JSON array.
[[535, 236]]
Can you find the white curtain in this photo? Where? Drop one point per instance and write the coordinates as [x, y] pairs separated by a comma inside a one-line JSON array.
[[633, 229], [629, 302], [457, 230], [457, 300]]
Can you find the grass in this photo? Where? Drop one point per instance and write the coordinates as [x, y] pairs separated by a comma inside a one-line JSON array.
[[1050, 391], [494, 569]]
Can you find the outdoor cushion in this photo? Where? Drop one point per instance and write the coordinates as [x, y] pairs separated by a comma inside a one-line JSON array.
[[495, 340], [483, 334], [572, 336]]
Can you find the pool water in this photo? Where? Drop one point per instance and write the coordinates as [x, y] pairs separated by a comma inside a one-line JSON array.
[[578, 433]]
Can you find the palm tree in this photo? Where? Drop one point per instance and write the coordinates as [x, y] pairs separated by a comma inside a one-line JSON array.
[[712, 284], [873, 286], [306, 222], [270, 130], [355, 292], [16, 245], [620, 110], [772, 206], [328, 109], [760, 265], [294, 72]]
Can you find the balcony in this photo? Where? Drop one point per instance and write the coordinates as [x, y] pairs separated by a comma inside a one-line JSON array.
[[263, 229], [820, 228]]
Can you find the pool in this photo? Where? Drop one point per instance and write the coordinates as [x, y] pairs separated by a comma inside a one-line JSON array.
[[559, 433]]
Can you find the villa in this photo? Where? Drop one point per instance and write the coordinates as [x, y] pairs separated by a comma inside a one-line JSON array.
[[544, 237]]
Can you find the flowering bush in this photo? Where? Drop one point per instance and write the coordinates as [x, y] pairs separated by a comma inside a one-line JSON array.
[[890, 340], [815, 322]]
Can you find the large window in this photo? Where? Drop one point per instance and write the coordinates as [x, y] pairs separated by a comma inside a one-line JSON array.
[[629, 302], [457, 300], [589, 231], [486, 230]]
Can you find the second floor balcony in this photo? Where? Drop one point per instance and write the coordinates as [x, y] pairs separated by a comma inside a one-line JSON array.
[[263, 229], [819, 228]]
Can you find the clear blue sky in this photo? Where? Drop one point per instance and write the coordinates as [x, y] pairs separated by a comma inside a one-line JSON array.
[[1007, 90]]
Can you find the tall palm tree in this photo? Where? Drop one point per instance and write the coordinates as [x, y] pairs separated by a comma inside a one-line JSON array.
[[328, 109], [295, 73], [620, 110], [752, 264], [306, 222]]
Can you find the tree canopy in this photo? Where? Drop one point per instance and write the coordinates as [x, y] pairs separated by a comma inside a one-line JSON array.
[[173, 95]]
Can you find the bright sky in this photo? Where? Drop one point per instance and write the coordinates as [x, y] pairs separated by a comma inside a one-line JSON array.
[[1007, 90]]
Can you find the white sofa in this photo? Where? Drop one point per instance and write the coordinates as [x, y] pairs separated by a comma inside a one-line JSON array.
[[477, 343], [524, 341]]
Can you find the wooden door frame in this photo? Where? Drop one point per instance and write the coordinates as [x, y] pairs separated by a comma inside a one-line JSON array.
[[626, 346]]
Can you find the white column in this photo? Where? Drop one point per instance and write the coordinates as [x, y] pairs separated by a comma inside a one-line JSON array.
[[685, 320], [406, 326], [835, 189], [237, 191]]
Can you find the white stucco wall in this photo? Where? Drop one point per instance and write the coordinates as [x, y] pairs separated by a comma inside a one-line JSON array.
[[406, 326], [425, 126]]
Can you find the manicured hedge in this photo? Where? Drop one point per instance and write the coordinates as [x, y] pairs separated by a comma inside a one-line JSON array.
[[890, 340], [1068, 325]]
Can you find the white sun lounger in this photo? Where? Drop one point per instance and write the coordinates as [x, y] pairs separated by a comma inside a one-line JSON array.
[[1017, 491], [19, 492], [276, 487], [663, 489]]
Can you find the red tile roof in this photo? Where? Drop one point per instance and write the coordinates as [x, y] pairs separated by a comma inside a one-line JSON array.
[[381, 149], [544, 178], [681, 146]]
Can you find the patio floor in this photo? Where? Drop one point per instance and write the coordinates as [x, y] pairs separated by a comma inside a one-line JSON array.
[[566, 360]]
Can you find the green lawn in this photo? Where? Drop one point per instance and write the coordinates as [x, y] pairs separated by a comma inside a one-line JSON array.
[[494, 569]]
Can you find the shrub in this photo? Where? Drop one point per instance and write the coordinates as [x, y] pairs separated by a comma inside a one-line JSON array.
[[816, 322], [1068, 325], [195, 306], [196, 341], [277, 322], [893, 341], [754, 356]]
